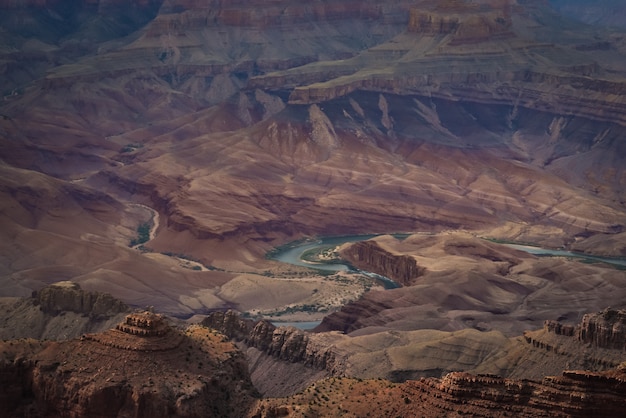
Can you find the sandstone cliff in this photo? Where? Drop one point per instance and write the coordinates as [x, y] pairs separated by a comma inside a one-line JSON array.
[[370, 256], [606, 329], [60, 311], [161, 372], [572, 394], [68, 296], [289, 344], [473, 51]]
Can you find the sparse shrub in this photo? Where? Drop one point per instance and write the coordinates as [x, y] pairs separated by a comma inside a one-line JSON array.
[[143, 235]]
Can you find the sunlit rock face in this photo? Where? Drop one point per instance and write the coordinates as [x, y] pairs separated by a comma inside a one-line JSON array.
[[176, 373], [157, 150]]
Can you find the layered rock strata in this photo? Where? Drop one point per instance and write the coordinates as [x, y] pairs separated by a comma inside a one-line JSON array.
[[69, 297], [134, 374], [572, 394], [60, 311], [606, 329], [288, 344], [369, 255], [477, 52], [153, 332]]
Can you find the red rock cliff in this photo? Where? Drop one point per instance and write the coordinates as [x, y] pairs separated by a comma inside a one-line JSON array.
[[605, 329], [124, 373], [368, 255]]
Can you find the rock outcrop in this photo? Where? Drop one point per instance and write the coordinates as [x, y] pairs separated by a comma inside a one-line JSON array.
[[370, 256], [60, 311], [572, 394], [606, 329], [69, 297], [281, 360], [467, 22], [162, 372], [478, 284], [288, 344]]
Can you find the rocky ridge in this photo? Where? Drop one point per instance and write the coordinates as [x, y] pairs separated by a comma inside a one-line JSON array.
[[573, 394], [196, 372], [141, 369], [392, 354], [288, 344], [481, 285], [69, 297], [60, 311], [474, 51]]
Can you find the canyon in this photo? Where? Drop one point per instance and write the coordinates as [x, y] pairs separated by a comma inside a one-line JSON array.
[[228, 129], [202, 373]]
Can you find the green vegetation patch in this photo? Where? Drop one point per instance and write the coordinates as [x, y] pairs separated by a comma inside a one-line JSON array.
[[326, 255], [143, 235]]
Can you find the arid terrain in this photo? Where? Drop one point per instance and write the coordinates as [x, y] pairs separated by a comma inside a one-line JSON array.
[[156, 154], [149, 366]]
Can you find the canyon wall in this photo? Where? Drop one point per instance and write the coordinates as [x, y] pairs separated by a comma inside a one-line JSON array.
[[370, 256], [60, 311], [162, 372], [606, 329], [288, 344], [68, 296], [574, 394], [571, 394]]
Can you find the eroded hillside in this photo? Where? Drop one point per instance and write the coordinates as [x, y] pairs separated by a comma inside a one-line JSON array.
[[158, 150], [418, 116]]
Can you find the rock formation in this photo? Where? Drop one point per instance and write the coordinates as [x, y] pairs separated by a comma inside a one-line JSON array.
[[467, 22], [69, 297], [246, 125], [368, 255], [573, 394], [161, 372], [605, 330], [60, 311], [483, 124], [144, 324], [479, 284], [288, 344]]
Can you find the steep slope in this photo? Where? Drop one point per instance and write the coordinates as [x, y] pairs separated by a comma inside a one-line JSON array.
[[294, 358], [196, 115], [468, 282], [573, 394], [144, 368], [59, 311]]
